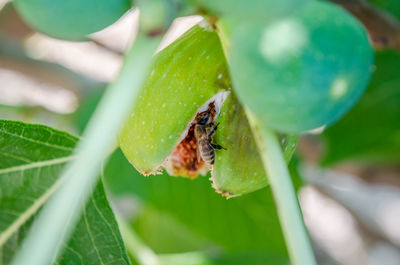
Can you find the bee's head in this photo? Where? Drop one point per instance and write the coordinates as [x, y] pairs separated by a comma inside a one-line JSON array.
[[203, 118]]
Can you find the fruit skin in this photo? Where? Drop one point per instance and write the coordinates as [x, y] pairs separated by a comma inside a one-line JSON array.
[[71, 19], [254, 9], [239, 169], [183, 77], [303, 71]]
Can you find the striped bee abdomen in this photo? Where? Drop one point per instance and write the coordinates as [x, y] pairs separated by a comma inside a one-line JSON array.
[[206, 151]]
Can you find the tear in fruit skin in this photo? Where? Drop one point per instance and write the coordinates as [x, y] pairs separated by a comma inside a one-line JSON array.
[[184, 76], [224, 193], [184, 161]]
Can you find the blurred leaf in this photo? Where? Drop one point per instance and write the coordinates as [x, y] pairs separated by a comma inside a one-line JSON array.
[[299, 73], [188, 258], [185, 75], [72, 19], [248, 258], [86, 109], [391, 6], [31, 157], [248, 222], [295, 173], [370, 132], [255, 9], [165, 234], [252, 258], [239, 169]]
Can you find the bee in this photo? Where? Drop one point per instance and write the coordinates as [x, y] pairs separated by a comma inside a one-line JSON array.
[[204, 131]]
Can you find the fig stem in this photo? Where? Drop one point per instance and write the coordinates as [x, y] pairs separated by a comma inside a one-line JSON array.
[[289, 212], [59, 215], [135, 246]]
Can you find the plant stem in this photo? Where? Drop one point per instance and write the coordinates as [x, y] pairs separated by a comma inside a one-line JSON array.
[[58, 217], [290, 216], [142, 253], [145, 256]]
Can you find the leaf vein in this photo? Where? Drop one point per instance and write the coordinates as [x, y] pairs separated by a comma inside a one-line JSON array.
[[38, 142], [108, 224], [23, 159], [91, 236], [6, 234], [36, 165]]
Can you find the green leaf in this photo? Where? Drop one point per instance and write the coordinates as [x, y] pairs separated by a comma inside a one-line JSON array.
[[72, 19], [31, 157], [250, 257], [391, 6], [86, 109], [248, 222], [239, 169], [253, 258], [300, 72], [370, 132], [183, 77], [165, 234], [176, 244]]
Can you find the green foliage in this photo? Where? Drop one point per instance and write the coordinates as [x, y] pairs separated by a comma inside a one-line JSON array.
[[252, 258], [72, 19], [31, 157], [295, 73], [238, 224], [296, 65], [164, 233], [370, 131], [255, 9], [86, 109], [391, 6], [183, 77]]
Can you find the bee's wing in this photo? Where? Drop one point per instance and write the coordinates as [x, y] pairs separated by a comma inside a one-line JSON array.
[[198, 154], [196, 134]]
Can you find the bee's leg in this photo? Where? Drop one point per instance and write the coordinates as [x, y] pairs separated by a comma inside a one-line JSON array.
[[211, 128], [218, 147]]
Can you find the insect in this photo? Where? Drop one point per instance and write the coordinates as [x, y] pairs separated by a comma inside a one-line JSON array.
[[204, 131]]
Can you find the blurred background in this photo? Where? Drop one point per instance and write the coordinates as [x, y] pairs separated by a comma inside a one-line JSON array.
[[348, 175]]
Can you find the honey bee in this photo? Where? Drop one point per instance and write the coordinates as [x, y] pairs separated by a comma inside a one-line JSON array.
[[204, 131]]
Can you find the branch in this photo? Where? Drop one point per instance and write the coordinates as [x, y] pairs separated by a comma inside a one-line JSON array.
[[383, 28]]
